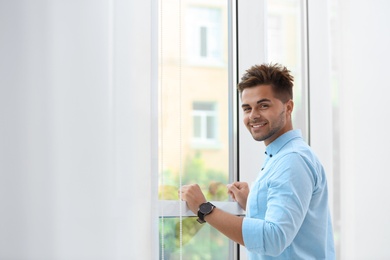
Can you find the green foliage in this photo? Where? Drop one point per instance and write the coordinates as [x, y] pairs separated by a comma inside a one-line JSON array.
[[197, 241], [195, 171], [211, 181]]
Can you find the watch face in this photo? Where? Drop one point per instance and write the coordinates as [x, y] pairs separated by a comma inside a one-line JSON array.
[[205, 208]]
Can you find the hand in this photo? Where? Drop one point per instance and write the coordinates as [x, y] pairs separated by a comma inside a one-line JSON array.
[[193, 195], [239, 192]]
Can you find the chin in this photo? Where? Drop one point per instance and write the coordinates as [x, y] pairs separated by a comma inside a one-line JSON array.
[[258, 138]]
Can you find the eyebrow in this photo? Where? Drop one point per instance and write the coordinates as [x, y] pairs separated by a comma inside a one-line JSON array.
[[258, 102]]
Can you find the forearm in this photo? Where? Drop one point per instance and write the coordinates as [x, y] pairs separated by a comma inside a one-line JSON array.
[[228, 224]]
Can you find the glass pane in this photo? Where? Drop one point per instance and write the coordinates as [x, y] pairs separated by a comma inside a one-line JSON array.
[[285, 23], [193, 119], [197, 126], [189, 93], [203, 41], [211, 127], [198, 242]]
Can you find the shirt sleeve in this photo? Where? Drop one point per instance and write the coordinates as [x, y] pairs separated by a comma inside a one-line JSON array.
[[289, 190]]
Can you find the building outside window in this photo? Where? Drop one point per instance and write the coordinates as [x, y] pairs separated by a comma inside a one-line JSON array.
[[194, 123], [205, 123], [204, 35]]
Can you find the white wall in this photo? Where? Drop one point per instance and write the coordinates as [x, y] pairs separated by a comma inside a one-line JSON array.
[[364, 135], [75, 95]]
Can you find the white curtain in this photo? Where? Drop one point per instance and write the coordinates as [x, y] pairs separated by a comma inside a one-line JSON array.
[[76, 130]]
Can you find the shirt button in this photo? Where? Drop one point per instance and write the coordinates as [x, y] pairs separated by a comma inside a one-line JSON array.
[[270, 155]]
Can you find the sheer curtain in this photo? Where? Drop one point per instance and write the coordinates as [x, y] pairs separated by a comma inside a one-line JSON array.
[[360, 55], [76, 130]]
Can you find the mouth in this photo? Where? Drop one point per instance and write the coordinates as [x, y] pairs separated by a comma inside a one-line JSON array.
[[258, 125]]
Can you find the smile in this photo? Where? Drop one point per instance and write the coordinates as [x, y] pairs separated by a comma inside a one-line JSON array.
[[258, 125]]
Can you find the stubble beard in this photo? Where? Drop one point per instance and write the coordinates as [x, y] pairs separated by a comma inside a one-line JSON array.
[[266, 136], [278, 126]]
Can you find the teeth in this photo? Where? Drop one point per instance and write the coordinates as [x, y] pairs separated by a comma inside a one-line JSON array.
[[257, 126]]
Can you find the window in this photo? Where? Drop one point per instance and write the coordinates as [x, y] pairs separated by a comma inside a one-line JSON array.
[[205, 125], [198, 107], [204, 35], [195, 124]]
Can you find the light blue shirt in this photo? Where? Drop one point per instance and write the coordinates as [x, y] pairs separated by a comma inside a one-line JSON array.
[[287, 212]]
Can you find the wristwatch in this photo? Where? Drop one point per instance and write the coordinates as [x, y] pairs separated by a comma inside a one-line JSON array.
[[204, 210]]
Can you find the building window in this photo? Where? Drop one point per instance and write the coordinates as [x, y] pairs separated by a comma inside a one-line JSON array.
[[204, 34], [204, 122]]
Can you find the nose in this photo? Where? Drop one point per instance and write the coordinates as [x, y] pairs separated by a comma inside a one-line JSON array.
[[254, 115]]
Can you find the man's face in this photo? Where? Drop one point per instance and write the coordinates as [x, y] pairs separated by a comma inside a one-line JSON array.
[[265, 116]]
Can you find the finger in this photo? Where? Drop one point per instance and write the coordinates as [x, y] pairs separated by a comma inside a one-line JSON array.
[[230, 192], [239, 185], [233, 188]]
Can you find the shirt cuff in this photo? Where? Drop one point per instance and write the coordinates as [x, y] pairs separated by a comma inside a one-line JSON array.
[[252, 232]]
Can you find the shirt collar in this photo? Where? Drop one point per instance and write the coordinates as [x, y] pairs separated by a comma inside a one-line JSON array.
[[274, 147]]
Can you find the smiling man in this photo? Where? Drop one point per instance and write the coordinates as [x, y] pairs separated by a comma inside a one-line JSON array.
[[287, 213]]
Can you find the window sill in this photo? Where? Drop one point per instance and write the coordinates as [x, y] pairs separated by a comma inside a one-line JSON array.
[[175, 208]]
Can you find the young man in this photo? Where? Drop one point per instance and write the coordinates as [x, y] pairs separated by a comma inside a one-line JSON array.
[[287, 213]]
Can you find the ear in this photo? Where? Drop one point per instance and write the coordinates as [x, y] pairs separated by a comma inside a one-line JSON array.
[[290, 106]]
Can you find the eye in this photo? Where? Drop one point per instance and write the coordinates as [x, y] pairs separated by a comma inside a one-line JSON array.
[[264, 106], [246, 109]]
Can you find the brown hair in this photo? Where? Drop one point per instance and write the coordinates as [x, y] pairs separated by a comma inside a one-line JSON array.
[[276, 75]]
